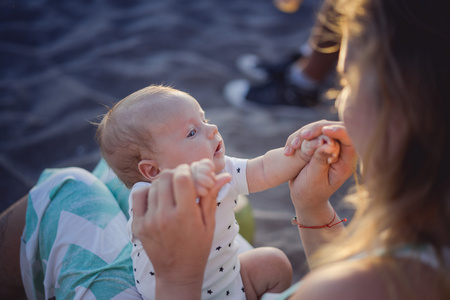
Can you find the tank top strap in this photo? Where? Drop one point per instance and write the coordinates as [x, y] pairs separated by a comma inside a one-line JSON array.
[[426, 254]]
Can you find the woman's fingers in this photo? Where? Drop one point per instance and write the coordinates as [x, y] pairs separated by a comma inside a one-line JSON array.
[[163, 192], [152, 200], [184, 189], [140, 202], [347, 151], [140, 208], [208, 203], [221, 180], [307, 132], [338, 132]]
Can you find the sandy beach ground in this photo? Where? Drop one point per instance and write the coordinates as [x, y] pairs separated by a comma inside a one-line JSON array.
[[61, 62]]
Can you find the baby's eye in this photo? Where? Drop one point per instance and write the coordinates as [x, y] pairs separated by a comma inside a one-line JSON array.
[[192, 133]]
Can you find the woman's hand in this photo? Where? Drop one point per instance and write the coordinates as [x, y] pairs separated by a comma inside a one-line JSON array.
[[319, 180], [175, 231]]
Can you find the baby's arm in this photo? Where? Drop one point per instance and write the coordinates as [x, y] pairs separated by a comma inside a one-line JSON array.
[[274, 168]]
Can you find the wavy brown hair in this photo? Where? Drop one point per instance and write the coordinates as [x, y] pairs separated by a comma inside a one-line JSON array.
[[406, 43]]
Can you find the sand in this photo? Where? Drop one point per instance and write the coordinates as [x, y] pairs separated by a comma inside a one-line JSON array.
[[61, 62]]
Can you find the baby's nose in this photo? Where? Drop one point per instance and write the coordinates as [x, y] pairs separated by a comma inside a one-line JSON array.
[[212, 130]]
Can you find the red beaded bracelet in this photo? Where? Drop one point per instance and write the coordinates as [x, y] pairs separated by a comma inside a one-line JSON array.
[[329, 225]]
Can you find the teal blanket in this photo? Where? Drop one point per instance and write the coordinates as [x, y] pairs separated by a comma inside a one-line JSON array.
[[74, 244]]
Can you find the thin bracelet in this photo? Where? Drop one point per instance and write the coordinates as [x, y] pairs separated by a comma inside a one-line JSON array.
[[329, 225]]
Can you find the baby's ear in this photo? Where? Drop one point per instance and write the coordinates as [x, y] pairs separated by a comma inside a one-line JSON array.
[[149, 169]]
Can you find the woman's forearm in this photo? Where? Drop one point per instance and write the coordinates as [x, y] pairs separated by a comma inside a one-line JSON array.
[[313, 239]]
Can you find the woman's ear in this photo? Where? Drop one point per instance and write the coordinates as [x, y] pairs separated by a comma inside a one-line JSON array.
[[149, 169]]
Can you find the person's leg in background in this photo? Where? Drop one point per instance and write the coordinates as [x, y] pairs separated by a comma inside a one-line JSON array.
[[295, 80], [12, 222]]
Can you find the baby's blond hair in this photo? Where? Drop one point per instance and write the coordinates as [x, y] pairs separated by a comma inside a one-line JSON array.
[[122, 133]]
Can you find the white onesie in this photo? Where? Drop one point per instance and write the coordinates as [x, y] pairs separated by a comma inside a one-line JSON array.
[[222, 278]]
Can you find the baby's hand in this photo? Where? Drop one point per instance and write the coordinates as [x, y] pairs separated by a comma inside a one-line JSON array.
[[204, 176], [323, 144]]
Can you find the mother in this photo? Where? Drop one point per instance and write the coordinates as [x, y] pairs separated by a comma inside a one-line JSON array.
[[395, 67], [395, 70]]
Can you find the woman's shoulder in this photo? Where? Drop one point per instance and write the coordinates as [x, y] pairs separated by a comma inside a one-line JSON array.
[[347, 280], [370, 279]]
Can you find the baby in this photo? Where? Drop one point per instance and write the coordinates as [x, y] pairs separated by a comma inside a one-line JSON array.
[[159, 127]]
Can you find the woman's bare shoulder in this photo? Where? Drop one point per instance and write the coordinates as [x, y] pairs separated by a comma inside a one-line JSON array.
[[347, 280], [366, 279]]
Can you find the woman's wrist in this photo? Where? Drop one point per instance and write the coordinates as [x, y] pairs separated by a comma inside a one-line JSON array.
[[315, 215], [191, 290]]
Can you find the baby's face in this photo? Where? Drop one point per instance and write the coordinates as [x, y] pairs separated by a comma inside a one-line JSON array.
[[183, 135]]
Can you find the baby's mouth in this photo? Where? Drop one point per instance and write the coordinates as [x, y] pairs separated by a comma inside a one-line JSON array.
[[219, 148]]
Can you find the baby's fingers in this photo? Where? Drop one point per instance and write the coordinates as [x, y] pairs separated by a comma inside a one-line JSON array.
[[330, 152], [200, 169], [205, 165], [204, 182], [308, 147], [201, 190]]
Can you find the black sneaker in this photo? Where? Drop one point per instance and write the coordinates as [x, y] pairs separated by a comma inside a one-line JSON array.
[[279, 91], [253, 67], [274, 87], [276, 92]]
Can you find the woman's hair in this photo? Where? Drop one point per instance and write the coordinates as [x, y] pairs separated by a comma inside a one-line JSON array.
[[122, 133], [406, 44]]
